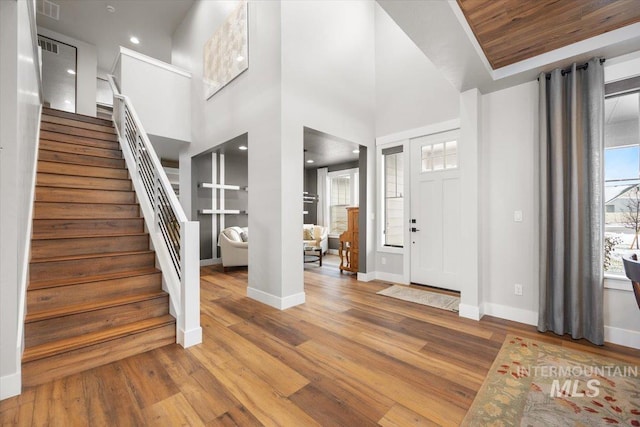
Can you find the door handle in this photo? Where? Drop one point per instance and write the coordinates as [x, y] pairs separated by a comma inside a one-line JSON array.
[[413, 229]]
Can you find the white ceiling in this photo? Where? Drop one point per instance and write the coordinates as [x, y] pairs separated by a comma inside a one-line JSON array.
[[327, 150], [152, 21]]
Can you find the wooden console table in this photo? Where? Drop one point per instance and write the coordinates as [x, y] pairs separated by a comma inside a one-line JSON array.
[[349, 247]]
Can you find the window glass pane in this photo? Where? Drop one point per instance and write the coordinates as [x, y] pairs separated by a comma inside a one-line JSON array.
[[393, 199], [452, 147], [438, 163], [621, 174], [438, 150], [340, 198], [451, 161], [426, 158]]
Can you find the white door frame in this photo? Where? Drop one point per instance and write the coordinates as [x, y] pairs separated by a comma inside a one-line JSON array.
[[402, 138]]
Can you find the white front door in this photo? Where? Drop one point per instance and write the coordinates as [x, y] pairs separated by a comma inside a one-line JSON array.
[[436, 243]]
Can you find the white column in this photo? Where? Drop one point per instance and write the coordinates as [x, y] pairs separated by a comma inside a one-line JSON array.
[[470, 140]]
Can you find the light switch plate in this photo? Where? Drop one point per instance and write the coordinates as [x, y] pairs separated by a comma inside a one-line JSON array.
[[517, 216]]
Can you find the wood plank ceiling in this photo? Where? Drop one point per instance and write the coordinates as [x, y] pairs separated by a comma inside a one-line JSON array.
[[510, 31]]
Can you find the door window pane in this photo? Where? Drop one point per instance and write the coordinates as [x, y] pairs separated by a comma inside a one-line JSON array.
[[440, 156]]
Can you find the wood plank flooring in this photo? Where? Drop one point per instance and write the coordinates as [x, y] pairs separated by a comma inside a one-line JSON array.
[[347, 357]]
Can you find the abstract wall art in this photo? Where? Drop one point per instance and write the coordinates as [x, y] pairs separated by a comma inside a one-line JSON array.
[[226, 53]]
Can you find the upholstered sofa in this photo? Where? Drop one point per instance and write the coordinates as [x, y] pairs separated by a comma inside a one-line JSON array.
[[234, 246], [316, 235]]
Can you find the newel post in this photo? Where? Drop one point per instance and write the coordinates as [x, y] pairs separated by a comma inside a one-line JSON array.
[[189, 330]]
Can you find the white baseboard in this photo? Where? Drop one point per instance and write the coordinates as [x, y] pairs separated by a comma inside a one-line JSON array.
[[390, 277], [189, 338], [10, 385], [511, 313], [469, 311], [210, 261], [613, 335], [625, 337], [332, 251], [281, 303], [367, 277]]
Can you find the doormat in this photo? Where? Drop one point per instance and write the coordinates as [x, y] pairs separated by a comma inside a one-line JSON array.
[[532, 383], [424, 297]]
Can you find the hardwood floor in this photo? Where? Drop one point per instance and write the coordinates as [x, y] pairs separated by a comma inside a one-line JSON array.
[[347, 357]]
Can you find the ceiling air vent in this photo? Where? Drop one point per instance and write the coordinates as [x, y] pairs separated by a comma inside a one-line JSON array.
[[48, 8], [48, 45]]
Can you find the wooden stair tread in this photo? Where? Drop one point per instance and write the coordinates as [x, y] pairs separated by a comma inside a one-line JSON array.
[[80, 140], [37, 316], [69, 130], [73, 122], [74, 343], [65, 202], [80, 159], [88, 236], [71, 148], [73, 211], [62, 161], [71, 169], [75, 116], [87, 256], [53, 283]]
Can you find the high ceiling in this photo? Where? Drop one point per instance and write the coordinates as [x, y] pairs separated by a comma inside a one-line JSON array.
[[510, 31], [152, 21]]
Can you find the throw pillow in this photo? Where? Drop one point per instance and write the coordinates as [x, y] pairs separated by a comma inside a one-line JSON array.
[[244, 236], [307, 234]]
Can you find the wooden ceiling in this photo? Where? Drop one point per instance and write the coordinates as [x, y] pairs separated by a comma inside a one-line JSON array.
[[510, 31]]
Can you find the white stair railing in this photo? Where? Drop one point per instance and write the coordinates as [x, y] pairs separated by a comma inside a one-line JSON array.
[[174, 238]]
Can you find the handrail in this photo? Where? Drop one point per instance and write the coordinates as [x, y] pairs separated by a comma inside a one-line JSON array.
[[174, 238]]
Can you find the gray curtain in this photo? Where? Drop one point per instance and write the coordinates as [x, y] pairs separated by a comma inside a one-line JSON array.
[[571, 202]]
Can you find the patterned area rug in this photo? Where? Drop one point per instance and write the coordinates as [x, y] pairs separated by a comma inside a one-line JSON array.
[[537, 384], [432, 299]]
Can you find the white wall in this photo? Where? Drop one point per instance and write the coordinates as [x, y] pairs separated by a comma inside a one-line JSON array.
[[510, 174], [328, 84], [160, 93], [410, 91], [19, 121], [86, 72], [507, 160], [249, 104]]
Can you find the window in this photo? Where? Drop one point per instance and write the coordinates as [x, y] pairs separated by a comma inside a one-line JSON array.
[[343, 192], [621, 180], [393, 233], [440, 156]]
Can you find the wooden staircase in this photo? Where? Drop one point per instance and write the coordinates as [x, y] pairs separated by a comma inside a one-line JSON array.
[[94, 293]]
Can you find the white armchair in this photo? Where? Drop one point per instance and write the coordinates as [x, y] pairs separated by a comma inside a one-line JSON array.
[[316, 235], [234, 246]]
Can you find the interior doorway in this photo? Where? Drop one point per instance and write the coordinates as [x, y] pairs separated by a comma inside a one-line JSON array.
[[220, 194], [436, 243], [334, 183], [59, 68]]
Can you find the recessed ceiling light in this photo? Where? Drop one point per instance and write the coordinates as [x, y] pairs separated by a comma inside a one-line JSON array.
[[242, 147], [356, 151], [134, 40], [111, 8], [66, 101], [309, 161], [72, 72], [239, 58]]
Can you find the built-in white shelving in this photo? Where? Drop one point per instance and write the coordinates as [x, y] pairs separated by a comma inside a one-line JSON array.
[[222, 186], [222, 212]]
